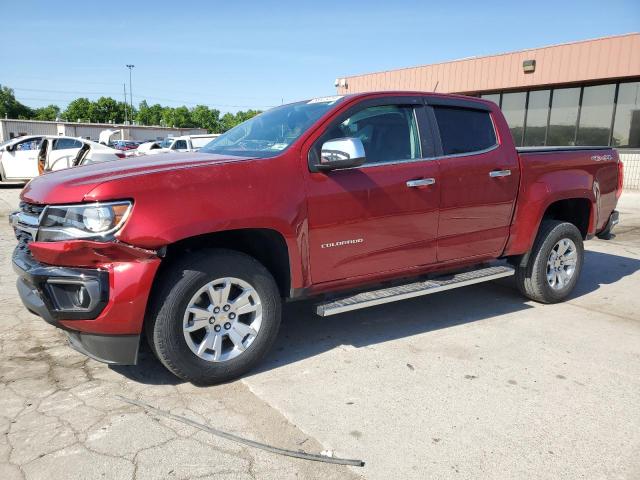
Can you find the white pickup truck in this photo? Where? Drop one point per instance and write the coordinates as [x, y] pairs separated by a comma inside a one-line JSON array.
[[184, 143]]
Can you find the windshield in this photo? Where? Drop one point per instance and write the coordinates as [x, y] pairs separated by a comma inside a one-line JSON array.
[[269, 133], [166, 143]]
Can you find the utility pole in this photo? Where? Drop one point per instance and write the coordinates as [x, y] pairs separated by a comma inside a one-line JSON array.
[[124, 87], [130, 67]]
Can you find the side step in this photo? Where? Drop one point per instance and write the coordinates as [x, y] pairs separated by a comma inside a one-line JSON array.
[[410, 290]]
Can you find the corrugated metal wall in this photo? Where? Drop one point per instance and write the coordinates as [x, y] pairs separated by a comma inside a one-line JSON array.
[[603, 58], [13, 128], [16, 128]]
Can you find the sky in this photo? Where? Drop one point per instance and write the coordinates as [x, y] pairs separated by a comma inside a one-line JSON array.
[[239, 54]]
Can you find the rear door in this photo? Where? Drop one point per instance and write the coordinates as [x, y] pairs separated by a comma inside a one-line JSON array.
[[22, 161], [479, 180], [62, 153], [383, 215]]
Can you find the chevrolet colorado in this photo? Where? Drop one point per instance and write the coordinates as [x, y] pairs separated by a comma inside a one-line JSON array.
[[353, 200]]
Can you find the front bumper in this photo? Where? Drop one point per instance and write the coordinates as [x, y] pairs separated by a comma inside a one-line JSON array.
[[105, 320], [57, 293]]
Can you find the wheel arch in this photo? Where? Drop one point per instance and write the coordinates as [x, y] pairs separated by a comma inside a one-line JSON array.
[[268, 246]]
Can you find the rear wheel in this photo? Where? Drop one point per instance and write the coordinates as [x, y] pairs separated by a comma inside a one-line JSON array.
[[554, 264], [214, 316]]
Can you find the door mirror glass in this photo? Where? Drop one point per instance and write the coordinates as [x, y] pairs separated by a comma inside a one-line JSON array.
[[341, 153]]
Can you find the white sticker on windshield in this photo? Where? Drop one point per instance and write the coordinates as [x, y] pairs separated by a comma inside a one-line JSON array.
[[278, 146], [328, 100]]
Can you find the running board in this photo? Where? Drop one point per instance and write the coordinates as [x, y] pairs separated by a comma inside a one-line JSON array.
[[410, 290]]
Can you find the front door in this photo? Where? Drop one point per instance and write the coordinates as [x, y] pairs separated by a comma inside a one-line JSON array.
[[479, 183], [21, 162], [383, 215]]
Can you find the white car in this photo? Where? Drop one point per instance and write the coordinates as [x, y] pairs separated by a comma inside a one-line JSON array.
[[24, 158], [184, 143]]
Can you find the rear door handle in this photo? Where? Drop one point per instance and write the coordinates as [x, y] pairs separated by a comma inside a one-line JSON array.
[[423, 182], [499, 173]]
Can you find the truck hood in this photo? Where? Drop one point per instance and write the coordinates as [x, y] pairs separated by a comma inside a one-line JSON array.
[[72, 185]]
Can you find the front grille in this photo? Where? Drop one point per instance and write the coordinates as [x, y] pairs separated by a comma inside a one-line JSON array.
[[27, 225], [31, 208], [24, 239]]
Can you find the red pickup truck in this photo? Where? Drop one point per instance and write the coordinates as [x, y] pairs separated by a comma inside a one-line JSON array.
[[353, 200]]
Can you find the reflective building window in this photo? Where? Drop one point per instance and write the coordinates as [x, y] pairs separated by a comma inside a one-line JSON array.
[[564, 116], [537, 116], [513, 107], [493, 97], [626, 126], [595, 115]]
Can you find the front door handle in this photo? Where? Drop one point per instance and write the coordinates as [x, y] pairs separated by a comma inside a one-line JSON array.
[[499, 173], [423, 182]]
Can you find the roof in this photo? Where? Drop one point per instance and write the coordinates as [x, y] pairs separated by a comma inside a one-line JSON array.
[[583, 61]]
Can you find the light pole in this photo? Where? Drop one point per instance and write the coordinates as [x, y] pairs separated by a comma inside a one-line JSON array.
[[130, 67]]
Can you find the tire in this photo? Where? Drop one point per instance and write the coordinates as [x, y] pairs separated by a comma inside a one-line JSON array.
[[536, 280], [168, 321]]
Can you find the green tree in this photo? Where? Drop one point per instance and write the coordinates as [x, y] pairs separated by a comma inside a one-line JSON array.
[[149, 115], [12, 108], [182, 117], [50, 113], [79, 110], [107, 110], [204, 117], [230, 120]]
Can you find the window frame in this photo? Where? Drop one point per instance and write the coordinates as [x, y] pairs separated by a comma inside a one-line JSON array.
[[462, 104], [425, 132]]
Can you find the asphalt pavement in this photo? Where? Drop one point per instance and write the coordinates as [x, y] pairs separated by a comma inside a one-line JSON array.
[[470, 383]]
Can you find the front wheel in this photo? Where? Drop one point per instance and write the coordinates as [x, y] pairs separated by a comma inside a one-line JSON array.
[[554, 264], [214, 316]]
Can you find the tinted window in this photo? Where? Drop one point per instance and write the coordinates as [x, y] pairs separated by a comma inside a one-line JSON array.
[[595, 115], [513, 107], [564, 116], [179, 145], [537, 115], [387, 132], [66, 143], [464, 130], [626, 127]]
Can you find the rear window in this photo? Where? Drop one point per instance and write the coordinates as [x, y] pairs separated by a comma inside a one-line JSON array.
[[199, 142], [464, 130]]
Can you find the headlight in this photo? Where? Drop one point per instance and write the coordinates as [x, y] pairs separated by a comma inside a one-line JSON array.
[[92, 220]]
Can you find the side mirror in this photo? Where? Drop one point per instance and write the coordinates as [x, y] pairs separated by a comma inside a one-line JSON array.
[[341, 153]]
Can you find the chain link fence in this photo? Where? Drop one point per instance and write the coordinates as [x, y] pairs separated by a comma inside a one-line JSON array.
[[631, 160]]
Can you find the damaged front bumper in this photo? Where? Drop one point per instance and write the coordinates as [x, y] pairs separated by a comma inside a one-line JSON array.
[[101, 307]]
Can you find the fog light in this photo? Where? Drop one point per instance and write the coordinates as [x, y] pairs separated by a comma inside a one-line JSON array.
[[73, 295]]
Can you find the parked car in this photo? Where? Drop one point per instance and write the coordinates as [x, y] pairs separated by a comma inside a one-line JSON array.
[[24, 158], [354, 201], [184, 143], [125, 144], [149, 148]]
